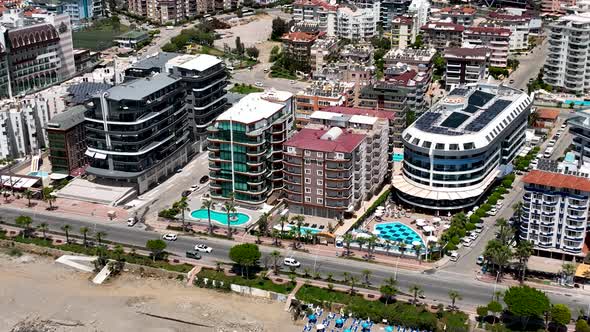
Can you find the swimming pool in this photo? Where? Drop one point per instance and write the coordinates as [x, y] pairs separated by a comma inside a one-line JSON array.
[[39, 174], [398, 232], [311, 230], [577, 102], [570, 157], [238, 218], [397, 157]]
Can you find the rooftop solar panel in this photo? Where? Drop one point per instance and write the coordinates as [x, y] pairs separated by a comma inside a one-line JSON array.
[[454, 120], [84, 91], [488, 115], [471, 109], [480, 98], [459, 92]]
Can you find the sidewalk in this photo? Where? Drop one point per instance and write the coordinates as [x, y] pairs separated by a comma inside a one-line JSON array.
[[509, 281]]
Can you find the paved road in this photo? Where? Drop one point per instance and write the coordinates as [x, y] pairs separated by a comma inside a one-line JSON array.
[[529, 66], [435, 284]]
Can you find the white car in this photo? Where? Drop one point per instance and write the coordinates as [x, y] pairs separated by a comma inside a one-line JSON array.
[[466, 242], [170, 237], [473, 236], [563, 126], [289, 261], [292, 82], [480, 260], [454, 257], [259, 84], [195, 187], [203, 248], [131, 222], [493, 211], [479, 229]]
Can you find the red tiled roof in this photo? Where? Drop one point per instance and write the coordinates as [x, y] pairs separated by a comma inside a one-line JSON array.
[[403, 78], [360, 111], [509, 17], [402, 20], [494, 30], [299, 36], [320, 3], [459, 10], [547, 113], [309, 139], [557, 180], [442, 25]]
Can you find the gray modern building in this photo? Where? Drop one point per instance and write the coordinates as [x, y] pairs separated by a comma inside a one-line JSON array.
[[580, 129], [138, 132]]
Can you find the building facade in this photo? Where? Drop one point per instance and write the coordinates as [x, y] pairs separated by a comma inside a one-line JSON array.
[[245, 148], [67, 141], [138, 133], [321, 51], [580, 130], [497, 40], [555, 214], [440, 35], [317, 12], [322, 94], [519, 26], [466, 65], [566, 63], [355, 23], [462, 15], [455, 151], [297, 48]]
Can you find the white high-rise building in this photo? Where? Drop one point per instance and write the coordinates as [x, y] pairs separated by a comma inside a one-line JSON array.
[[567, 64], [357, 23]]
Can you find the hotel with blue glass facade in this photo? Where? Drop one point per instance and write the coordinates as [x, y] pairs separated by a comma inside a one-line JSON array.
[[555, 214], [456, 150]]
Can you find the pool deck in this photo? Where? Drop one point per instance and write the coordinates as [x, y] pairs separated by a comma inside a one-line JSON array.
[[195, 203]]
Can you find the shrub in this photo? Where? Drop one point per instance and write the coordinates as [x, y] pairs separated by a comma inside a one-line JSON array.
[[474, 219], [469, 226]]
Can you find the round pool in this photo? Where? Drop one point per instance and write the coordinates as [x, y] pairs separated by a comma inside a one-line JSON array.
[[236, 218]]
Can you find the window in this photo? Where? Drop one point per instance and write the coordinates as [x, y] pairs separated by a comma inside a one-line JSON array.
[[339, 155], [320, 192], [320, 182], [320, 201], [440, 146], [307, 153], [320, 155], [307, 199], [307, 162], [320, 162], [307, 171], [307, 181], [320, 173], [308, 190], [290, 149]]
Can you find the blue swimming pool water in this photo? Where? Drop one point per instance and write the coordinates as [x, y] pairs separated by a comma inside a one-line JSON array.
[[396, 231], [221, 217], [398, 157], [39, 173], [312, 230], [578, 102], [570, 157]]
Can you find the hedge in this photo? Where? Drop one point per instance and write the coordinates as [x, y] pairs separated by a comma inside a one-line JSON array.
[[373, 207], [259, 282]]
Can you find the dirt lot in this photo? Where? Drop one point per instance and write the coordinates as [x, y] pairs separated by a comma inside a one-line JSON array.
[[36, 289]]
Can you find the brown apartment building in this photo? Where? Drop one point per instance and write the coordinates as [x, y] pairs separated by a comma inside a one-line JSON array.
[[322, 94], [67, 141]]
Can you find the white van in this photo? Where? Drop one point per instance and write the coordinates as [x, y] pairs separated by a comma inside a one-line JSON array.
[[467, 242], [548, 153], [454, 256]]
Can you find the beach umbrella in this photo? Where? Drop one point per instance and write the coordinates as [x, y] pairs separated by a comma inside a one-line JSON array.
[[416, 243], [347, 330], [431, 239], [365, 325], [389, 329], [320, 327], [312, 318], [420, 222]]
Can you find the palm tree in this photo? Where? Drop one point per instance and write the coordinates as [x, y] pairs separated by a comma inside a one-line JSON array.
[[85, 231], [402, 248], [517, 208], [416, 291], [275, 237], [367, 275], [347, 240], [48, 196], [43, 227], [371, 244], [183, 206], [283, 220], [230, 207], [276, 257], [388, 289], [24, 222], [523, 252], [262, 226], [66, 229], [28, 194], [352, 281], [346, 276], [298, 219], [100, 236], [568, 269], [207, 204], [387, 245], [533, 118], [417, 249], [361, 241], [505, 233], [454, 296], [499, 254]]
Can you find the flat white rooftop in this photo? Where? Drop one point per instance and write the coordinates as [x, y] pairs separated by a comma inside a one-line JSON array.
[[200, 63], [256, 106]]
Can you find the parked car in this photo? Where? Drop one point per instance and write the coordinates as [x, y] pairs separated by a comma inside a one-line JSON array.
[[204, 179], [493, 211], [195, 187], [290, 261], [131, 222], [170, 237], [473, 236], [454, 257], [259, 84], [193, 254], [479, 228], [467, 242], [203, 248], [186, 193], [563, 126], [480, 260]]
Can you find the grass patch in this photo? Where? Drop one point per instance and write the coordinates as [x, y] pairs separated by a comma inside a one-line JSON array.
[[258, 282], [282, 73], [245, 89], [100, 35], [313, 294]]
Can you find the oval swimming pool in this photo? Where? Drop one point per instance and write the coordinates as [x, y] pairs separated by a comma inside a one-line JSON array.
[[237, 218]]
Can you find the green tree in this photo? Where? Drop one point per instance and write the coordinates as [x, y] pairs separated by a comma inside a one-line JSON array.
[[100, 236], [367, 276], [353, 281], [85, 231], [482, 312], [347, 240], [262, 225], [49, 196], [207, 204], [28, 194], [276, 258], [439, 64], [388, 289], [560, 314], [283, 219], [239, 46], [298, 219], [568, 270], [523, 252], [157, 247], [416, 291], [183, 206], [67, 228], [43, 228], [25, 222], [495, 308], [245, 255], [526, 302], [230, 207], [498, 254], [252, 52], [279, 28], [582, 326], [454, 296]]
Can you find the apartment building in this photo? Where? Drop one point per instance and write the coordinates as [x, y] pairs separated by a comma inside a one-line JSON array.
[[324, 172], [519, 26], [440, 35], [556, 6], [497, 40], [462, 15], [67, 141], [322, 94], [390, 9], [579, 127], [403, 32], [318, 12], [415, 82], [417, 59], [246, 147], [36, 51], [173, 11], [297, 48], [555, 214], [345, 71], [566, 63], [355, 23], [138, 132], [456, 150], [321, 51], [466, 65]]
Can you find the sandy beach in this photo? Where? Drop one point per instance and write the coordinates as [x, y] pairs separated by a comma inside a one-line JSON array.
[[36, 289]]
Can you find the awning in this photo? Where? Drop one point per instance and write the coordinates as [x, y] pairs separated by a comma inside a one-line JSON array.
[[100, 156], [428, 228], [57, 176], [89, 153], [326, 234], [583, 271]]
